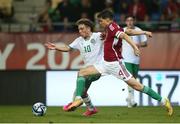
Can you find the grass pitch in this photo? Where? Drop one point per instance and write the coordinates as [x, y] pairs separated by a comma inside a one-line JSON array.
[[23, 114]]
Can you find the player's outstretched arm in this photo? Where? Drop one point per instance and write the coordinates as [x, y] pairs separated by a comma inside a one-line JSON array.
[[59, 47], [129, 40], [134, 32]]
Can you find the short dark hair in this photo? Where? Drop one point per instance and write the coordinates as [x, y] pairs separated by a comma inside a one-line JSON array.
[[130, 16], [106, 14], [86, 22]]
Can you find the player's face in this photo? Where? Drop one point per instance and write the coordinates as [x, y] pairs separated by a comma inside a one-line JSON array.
[[130, 22], [83, 30], [103, 22]]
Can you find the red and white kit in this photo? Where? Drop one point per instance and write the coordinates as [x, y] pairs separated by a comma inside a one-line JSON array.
[[113, 63]]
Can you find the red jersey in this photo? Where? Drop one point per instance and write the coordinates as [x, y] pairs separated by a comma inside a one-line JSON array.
[[112, 43]]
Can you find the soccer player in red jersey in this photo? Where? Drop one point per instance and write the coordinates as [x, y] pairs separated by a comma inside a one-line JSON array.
[[113, 63]]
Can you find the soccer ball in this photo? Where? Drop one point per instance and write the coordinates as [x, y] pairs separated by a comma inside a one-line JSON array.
[[39, 109]]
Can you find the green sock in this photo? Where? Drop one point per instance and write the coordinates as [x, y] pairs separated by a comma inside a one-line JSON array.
[[151, 93], [80, 86]]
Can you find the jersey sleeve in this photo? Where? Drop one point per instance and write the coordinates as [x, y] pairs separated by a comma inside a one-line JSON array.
[[75, 44], [115, 30], [142, 38]]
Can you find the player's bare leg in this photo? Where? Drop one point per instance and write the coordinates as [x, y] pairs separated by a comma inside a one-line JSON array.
[[139, 87], [90, 70]]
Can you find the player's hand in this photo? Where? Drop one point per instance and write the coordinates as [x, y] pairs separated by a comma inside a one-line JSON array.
[[50, 45], [149, 34], [136, 51]]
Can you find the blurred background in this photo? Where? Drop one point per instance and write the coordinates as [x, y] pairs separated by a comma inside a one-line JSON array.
[[30, 73], [60, 15]]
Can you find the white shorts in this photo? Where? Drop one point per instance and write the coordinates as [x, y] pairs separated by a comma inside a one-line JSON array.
[[116, 68]]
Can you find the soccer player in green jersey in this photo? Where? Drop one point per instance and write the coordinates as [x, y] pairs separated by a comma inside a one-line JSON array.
[[90, 46]]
